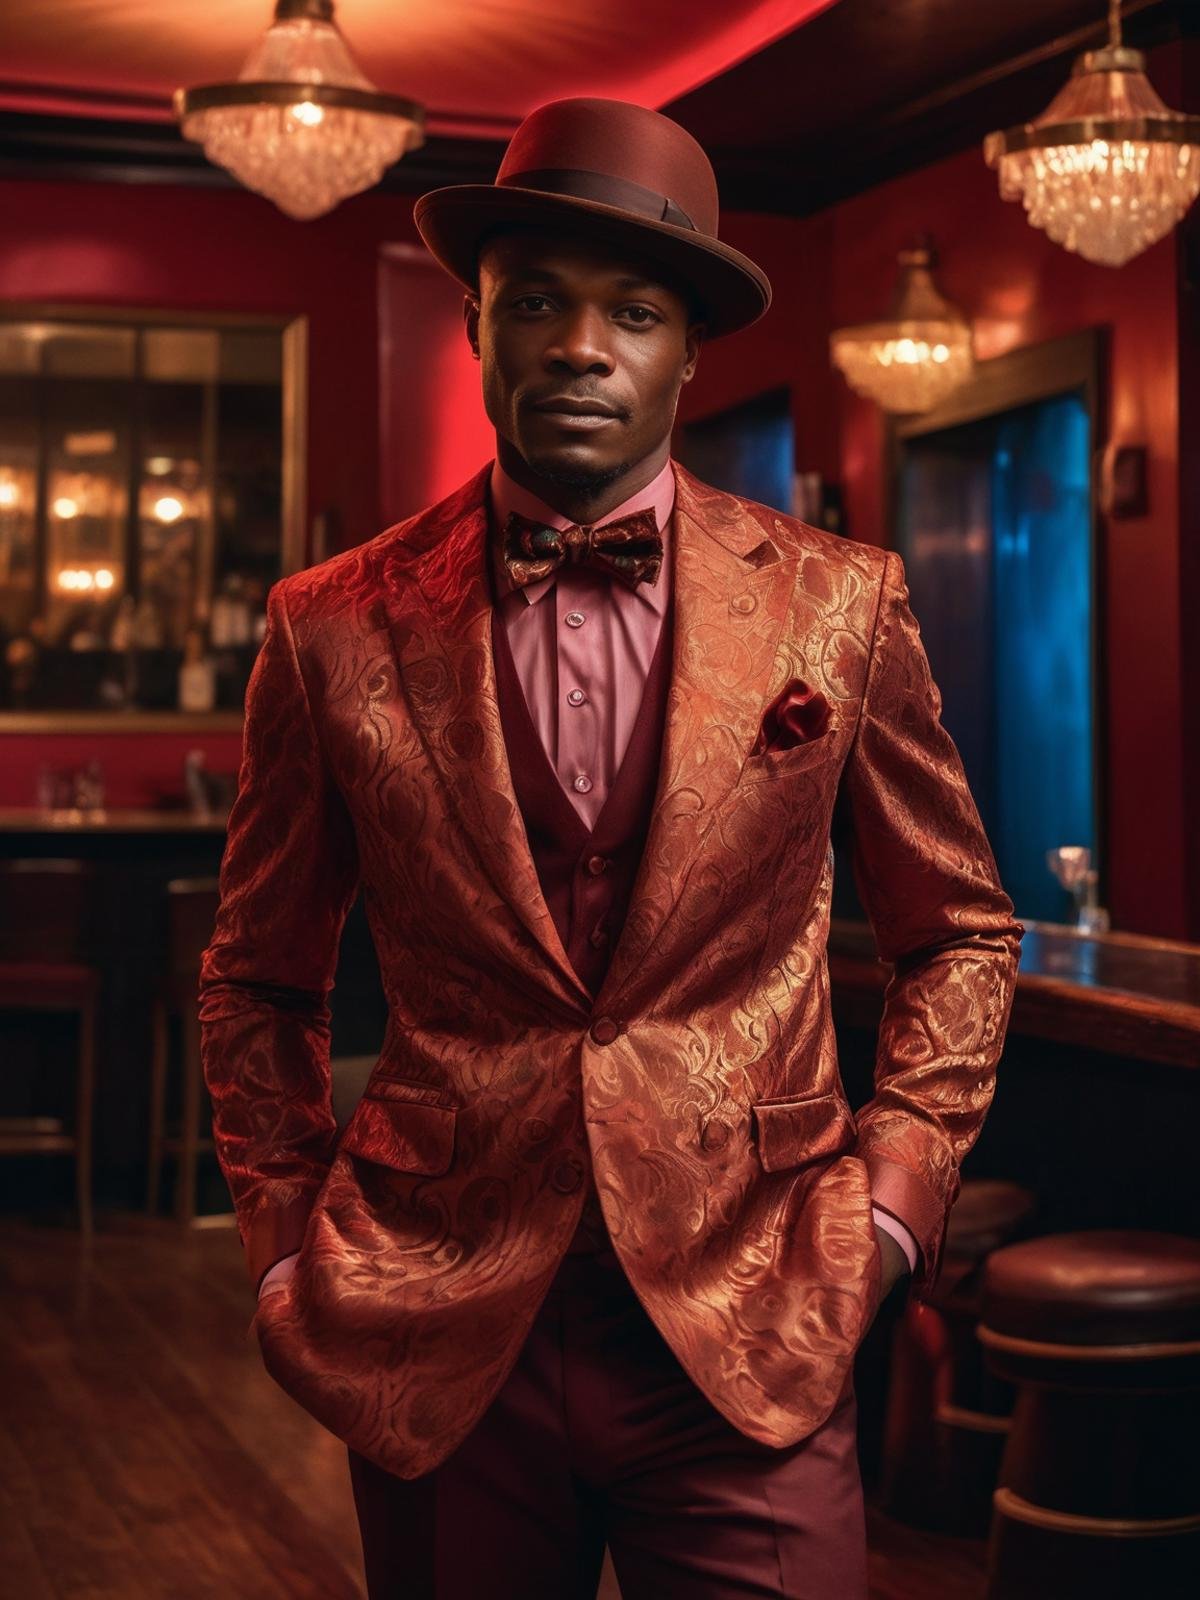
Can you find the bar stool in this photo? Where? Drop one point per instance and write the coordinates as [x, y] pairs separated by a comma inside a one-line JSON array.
[[191, 919], [44, 911], [1100, 1484], [947, 1415]]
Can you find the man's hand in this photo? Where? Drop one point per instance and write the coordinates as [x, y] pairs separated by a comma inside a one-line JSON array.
[[893, 1264]]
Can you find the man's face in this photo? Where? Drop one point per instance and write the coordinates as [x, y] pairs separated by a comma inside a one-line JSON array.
[[584, 348]]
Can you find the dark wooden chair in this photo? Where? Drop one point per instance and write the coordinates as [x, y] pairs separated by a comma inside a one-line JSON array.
[[947, 1416], [191, 918], [1099, 1491], [45, 906]]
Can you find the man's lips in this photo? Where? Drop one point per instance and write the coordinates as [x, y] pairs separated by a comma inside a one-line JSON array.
[[566, 406]]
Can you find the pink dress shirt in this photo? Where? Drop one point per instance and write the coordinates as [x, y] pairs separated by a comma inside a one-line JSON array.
[[582, 644]]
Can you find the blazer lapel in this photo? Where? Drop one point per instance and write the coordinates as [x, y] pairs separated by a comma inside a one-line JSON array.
[[440, 628], [731, 596]]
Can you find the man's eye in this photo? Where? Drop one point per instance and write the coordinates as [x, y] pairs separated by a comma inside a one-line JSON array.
[[642, 316], [524, 303]]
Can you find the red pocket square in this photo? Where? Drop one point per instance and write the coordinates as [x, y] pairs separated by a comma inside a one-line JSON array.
[[796, 715]]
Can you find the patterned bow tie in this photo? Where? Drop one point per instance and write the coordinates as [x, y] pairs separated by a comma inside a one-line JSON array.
[[629, 548]]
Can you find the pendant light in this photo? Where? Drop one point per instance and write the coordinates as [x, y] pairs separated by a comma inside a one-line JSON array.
[[1107, 169], [302, 125], [919, 354]]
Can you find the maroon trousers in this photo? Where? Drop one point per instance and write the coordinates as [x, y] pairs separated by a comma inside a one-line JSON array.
[[599, 1437]]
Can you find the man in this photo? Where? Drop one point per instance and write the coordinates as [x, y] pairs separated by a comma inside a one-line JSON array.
[[592, 1258]]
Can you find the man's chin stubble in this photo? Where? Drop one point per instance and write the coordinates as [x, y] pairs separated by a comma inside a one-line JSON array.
[[586, 482]]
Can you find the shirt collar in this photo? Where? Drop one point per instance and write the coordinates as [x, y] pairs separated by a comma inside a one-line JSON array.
[[507, 495]]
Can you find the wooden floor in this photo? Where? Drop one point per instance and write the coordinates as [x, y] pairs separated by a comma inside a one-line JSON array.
[[146, 1455]]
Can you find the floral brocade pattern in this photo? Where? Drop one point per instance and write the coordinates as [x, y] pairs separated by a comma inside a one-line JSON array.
[[735, 1182]]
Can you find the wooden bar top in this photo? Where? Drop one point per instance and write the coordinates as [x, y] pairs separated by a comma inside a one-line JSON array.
[[69, 820], [1120, 993]]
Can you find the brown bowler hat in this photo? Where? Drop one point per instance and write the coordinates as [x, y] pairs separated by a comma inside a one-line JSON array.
[[607, 170]]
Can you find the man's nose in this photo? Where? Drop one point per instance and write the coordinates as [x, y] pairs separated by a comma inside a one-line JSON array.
[[581, 342]]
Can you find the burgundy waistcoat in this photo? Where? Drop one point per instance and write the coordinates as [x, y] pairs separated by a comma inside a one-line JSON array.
[[586, 877]]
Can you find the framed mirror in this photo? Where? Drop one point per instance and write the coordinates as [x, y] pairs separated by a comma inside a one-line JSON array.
[[151, 491]]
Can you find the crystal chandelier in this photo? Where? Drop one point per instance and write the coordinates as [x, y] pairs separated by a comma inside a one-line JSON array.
[[1106, 169], [916, 357], [302, 125]]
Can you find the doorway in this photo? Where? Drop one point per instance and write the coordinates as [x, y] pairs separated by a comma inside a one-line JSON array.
[[994, 521]]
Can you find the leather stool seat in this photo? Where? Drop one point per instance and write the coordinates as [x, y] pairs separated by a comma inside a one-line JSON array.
[[988, 1213], [1103, 1288], [1099, 1489]]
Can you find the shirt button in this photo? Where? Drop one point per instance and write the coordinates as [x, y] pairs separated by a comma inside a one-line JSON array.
[[605, 1029], [582, 783], [576, 697], [574, 619], [596, 865]]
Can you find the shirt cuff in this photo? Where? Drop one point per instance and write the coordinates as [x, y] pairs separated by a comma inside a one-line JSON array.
[[896, 1230], [279, 1273]]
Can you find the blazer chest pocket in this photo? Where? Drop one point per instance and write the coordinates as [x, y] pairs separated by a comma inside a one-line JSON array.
[[806, 757], [799, 1129], [402, 1126]]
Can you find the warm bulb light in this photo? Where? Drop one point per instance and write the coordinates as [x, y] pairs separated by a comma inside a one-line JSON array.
[[307, 113], [168, 509], [8, 493], [65, 508], [80, 579]]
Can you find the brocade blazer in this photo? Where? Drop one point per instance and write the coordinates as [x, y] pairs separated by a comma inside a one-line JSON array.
[[699, 1087]]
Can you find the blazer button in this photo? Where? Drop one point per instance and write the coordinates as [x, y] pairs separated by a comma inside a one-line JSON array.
[[566, 1177], [714, 1135], [605, 1029]]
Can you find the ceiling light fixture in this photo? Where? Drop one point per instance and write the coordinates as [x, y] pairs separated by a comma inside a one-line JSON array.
[[302, 125], [911, 361], [1107, 169]]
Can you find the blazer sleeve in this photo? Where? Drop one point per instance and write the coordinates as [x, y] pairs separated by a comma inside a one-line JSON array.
[[289, 875], [928, 882]]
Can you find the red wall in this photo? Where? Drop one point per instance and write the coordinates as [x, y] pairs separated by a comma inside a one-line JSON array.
[[203, 249]]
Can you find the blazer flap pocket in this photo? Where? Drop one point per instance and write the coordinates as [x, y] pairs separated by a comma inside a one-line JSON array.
[[802, 1128], [391, 1127]]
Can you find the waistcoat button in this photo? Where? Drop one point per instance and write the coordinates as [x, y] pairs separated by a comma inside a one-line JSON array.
[[605, 1029], [567, 1176], [596, 865]]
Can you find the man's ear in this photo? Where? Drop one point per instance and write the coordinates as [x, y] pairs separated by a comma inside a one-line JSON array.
[[693, 339], [471, 320]]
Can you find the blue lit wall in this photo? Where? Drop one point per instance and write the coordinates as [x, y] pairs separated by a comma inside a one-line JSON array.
[[995, 529], [1042, 637], [747, 450]]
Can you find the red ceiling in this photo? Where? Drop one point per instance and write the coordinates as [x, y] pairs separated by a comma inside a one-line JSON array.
[[477, 65]]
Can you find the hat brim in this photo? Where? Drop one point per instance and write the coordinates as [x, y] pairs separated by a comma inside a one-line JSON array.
[[733, 291]]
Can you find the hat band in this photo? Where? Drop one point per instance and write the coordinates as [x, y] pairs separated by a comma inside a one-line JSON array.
[[580, 184]]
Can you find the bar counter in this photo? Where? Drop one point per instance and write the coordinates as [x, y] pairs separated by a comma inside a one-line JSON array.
[[1118, 993], [1092, 1112], [145, 819]]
